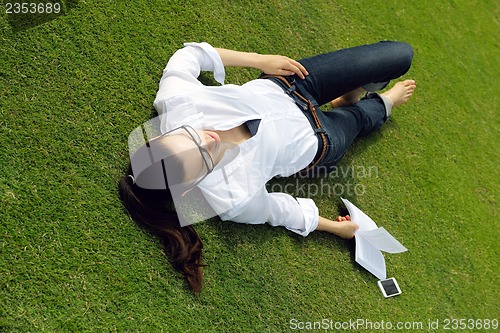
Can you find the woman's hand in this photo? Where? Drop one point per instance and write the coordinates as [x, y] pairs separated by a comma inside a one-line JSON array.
[[281, 65], [342, 227], [343, 218]]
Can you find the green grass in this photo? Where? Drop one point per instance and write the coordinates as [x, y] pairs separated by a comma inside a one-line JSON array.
[[73, 86]]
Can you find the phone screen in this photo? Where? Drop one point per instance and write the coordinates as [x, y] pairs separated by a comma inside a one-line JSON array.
[[390, 287]]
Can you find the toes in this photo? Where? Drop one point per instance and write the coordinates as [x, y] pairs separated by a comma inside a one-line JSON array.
[[409, 84]]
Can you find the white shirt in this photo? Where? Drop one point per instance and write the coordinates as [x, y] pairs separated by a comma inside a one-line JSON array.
[[284, 144]]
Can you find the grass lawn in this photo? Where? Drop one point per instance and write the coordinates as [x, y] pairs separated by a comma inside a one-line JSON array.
[[72, 87]]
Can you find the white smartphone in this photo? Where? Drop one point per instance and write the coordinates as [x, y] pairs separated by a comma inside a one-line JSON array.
[[389, 287]]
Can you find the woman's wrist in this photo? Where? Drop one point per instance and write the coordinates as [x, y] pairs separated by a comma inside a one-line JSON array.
[[258, 61], [232, 58]]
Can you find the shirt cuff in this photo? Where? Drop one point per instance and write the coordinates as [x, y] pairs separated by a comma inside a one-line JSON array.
[[311, 216], [213, 55]]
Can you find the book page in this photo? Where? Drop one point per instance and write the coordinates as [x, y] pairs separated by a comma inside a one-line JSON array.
[[383, 240], [357, 216], [370, 258]]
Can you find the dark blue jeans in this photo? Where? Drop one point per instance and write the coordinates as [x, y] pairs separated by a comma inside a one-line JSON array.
[[333, 74]]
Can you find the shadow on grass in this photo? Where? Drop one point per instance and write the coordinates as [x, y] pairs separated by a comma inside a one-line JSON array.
[[37, 12]]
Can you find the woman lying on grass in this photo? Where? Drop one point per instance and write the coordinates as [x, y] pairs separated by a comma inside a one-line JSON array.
[[228, 141]]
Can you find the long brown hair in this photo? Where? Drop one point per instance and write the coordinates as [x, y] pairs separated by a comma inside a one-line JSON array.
[[154, 211]]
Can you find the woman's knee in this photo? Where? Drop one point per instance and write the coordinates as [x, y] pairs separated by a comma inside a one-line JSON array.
[[402, 54], [402, 48], [406, 51]]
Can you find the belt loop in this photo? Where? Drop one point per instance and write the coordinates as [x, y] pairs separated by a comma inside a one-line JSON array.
[[290, 90]]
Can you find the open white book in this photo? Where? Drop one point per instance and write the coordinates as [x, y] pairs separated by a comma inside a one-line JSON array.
[[370, 240]]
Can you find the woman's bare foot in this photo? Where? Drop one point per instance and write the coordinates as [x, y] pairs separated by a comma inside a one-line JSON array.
[[400, 93], [348, 99]]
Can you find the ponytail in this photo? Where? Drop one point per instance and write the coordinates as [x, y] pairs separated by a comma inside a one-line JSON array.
[[153, 210]]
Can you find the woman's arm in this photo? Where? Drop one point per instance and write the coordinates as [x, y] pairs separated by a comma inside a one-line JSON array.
[[269, 64]]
